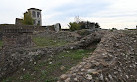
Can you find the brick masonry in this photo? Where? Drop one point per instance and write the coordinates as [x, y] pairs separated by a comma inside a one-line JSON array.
[[14, 38]]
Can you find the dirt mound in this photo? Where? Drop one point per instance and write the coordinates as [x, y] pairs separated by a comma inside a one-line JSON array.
[[114, 60]]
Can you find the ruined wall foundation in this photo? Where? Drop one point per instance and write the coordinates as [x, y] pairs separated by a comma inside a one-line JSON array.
[[14, 38]]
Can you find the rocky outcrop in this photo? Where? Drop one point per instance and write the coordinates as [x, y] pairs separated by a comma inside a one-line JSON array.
[[114, 60], [89, 39]]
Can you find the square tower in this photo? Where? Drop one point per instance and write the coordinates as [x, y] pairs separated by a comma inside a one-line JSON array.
[[36, 16]]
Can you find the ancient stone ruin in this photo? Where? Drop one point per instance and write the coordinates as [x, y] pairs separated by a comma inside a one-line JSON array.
[[114, 59], [35, 14], [14, 38]]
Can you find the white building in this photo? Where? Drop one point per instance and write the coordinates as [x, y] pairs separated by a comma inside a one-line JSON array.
[[36, 16]]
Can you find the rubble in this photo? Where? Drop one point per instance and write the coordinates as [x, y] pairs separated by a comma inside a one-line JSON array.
[[15, 58], [114, 60]]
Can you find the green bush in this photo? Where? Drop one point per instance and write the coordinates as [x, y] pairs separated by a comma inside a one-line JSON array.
[[27, 20], [74, 26]]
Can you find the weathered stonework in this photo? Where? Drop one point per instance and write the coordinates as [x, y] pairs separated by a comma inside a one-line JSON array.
[[18, 21], [14, 38], [114, 60], [15, 58]]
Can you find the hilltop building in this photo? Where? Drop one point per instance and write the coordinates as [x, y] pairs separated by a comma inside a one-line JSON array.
[[37, 20], [35, 14]]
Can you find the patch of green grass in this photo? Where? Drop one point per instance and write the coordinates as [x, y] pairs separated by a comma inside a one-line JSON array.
[[45, 71], [42, 42], [51, 79], [10, 79], [75, 54], [27, 77], [1, 43]]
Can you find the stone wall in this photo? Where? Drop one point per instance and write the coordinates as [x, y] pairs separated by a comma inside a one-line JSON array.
[[15, 39], [15, 58], [65, 36], [12, 26], [114, 60], [34, 29], [18, 21]]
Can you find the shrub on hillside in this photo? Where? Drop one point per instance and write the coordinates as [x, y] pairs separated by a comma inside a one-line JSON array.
[[74, 26], [27, 20]]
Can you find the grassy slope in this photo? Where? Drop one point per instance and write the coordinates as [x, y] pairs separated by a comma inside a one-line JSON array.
[[48, 70], [44, 42]]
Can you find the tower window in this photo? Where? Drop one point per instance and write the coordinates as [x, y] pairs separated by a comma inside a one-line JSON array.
[[33, 13], [38, 14], [38, 22]]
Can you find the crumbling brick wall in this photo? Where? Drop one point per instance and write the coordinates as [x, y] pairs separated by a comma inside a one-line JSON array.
[[14, 38], [12, 26]]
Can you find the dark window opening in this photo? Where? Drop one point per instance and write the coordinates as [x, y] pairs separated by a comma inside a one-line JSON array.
[[38, 14], [33, 13], [38, 22]]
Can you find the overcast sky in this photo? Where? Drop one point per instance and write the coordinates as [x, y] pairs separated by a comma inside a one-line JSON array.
[[108, 13]]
